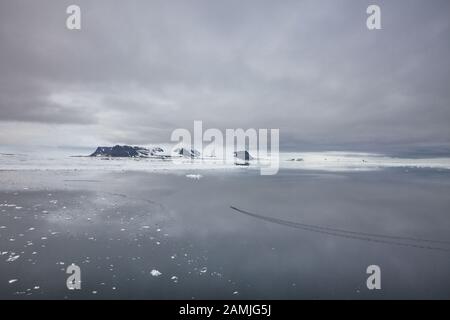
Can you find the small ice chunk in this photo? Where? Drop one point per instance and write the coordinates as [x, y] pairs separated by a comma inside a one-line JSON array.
[[12, 258], [155, 273], [194, 176], [13, 280]]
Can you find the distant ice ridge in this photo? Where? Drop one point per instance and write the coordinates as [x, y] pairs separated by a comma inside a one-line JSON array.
[[194, 176], [159, 160], [355, 161]]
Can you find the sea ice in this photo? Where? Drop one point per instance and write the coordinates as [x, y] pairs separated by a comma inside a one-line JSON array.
[[12, 258], [194, 176], [155, 273]]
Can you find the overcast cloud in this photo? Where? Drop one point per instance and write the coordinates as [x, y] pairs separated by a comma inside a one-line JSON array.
[[139, 69]]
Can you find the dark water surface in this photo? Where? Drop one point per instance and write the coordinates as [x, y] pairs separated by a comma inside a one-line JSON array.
[[120, 226]]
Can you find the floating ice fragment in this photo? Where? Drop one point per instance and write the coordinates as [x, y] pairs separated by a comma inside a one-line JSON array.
[[194, 176], [13, 280], [12, 258], [155, 273]]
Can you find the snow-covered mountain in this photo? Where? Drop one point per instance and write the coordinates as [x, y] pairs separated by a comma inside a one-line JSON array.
[[185, 152], [140, 152]]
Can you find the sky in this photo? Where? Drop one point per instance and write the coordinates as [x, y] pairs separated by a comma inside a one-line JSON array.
[[139, 69]]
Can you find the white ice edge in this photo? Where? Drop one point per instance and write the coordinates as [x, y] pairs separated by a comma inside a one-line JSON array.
[[322, 161]]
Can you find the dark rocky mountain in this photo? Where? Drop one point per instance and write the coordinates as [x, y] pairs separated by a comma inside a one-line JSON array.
[[157, 151], [139, 152], [243, 155], [121, 151]]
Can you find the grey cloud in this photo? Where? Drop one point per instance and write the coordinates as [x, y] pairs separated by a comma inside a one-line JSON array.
[[139, 69]]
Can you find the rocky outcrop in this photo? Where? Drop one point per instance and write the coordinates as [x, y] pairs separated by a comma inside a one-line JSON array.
[[243, 155], [139, 152], [121, 151]]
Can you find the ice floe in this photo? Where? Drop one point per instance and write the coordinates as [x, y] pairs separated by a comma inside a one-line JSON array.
[[13, 258], [194, 176], [155, 273]]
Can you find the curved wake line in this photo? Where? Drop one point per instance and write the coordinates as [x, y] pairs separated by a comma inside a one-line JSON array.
[[370, 237]]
